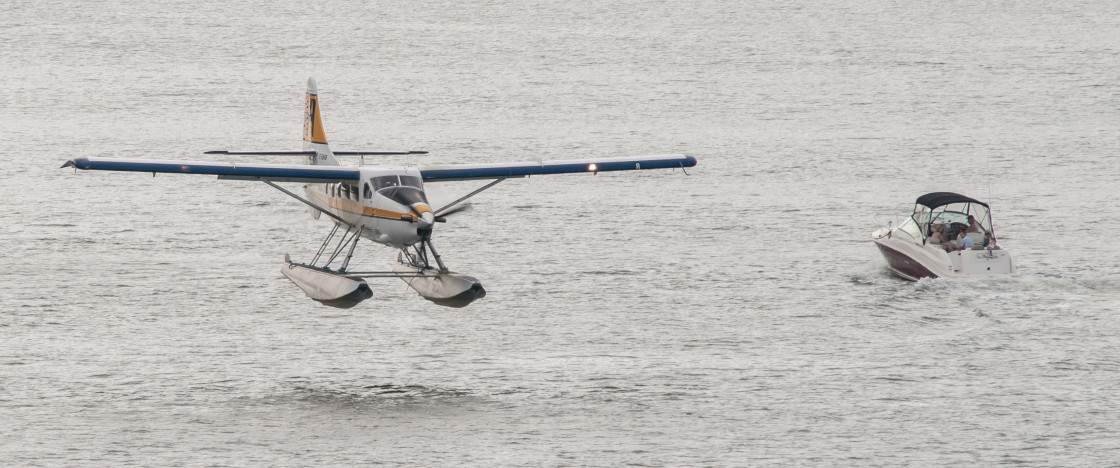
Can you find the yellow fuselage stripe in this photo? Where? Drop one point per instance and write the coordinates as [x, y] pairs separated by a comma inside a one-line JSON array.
[[360, 209]]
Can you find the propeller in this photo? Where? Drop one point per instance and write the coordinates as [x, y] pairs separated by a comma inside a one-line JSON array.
[[426, 219], [459, 205], [460, 208]]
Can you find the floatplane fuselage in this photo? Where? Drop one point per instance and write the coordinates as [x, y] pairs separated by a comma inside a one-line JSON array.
[[385, 204]]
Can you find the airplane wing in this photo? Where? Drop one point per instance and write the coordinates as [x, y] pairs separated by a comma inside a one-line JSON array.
[[224, 170], [522, 169], [312, 153], [309, 173]]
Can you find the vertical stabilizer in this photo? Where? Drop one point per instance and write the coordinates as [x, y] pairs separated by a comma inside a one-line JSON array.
[[314, 138]]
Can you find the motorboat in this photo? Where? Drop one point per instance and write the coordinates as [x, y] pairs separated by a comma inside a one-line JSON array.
[[947, 235]]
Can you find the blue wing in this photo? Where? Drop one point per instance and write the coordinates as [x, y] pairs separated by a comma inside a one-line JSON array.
[[307, 173], [224, 170], [522, 169]]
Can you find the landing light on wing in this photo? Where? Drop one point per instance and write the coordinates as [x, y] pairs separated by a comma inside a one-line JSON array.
[[593, 167]]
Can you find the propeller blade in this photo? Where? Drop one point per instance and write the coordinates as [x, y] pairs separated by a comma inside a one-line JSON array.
[[462, 207]]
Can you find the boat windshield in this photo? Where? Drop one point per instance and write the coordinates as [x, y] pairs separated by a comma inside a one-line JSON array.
[[954, 217]]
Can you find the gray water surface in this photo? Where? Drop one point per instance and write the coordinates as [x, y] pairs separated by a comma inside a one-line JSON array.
[[737, 316]]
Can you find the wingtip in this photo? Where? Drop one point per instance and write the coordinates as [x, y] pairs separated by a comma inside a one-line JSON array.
[[79, 163], [311, 87]]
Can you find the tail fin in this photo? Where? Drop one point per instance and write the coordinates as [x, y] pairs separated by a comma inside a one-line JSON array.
[[314, 138]]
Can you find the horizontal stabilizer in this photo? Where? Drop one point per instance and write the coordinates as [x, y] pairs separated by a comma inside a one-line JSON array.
[[311, 153]]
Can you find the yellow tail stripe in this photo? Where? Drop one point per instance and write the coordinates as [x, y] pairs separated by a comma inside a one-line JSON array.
[[312, 122]]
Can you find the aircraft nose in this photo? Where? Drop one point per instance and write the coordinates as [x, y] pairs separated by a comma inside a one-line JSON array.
[[427, 219]]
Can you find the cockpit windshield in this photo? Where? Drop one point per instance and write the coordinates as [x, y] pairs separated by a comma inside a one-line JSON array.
[[404, 189], [381, 182], [384, 182], [407, 196]]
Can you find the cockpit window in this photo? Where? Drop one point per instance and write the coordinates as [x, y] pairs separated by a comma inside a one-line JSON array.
[[404, 189], [384, 182], [367, 192], [406, 196]]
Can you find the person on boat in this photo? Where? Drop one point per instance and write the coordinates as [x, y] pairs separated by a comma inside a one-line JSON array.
[[974, 226], [990, 241], [963, 242], [938, 236]]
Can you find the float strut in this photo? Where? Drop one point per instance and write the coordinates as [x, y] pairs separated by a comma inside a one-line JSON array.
[[323, 247], [442, 267], [346, 261]]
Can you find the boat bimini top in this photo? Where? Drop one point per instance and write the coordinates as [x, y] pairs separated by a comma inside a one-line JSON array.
[[949, 209]]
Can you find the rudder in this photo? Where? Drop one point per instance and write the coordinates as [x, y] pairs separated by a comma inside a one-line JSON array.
[[314, 137]]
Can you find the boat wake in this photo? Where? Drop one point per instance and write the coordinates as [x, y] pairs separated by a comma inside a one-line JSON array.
[[376, 395]]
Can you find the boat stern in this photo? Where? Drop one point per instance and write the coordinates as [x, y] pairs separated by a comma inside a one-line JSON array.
[[982, 262]]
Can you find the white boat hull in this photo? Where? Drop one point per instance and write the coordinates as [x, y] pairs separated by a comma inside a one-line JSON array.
[[910, 259]]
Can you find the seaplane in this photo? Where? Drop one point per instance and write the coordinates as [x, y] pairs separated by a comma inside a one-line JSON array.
[[384, 204]]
